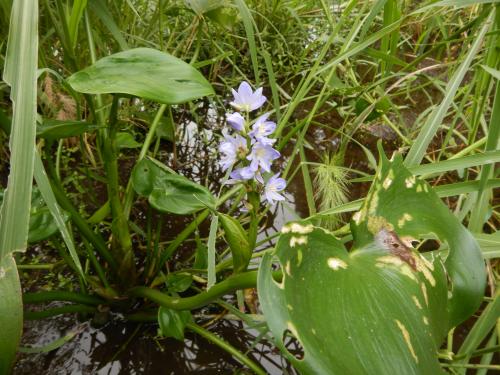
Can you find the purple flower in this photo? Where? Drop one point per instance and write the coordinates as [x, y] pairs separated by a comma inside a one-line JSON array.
[[241, 174], [273, 186], [262, 155], [236, 121], [232, 149], [247, 100], [261, 128]]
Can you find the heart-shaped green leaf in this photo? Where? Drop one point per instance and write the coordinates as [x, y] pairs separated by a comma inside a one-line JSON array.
[[179, 282], [168, 191], [381, 308], [143, 72], [172, 323]]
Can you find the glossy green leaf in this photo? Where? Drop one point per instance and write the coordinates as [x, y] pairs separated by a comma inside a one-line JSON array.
[[237, 239], [173, 323], [381, 308], [168, 191], [42, 224], [166, 129], [126, 140], [57, 129], [179, 282], [143, 72]]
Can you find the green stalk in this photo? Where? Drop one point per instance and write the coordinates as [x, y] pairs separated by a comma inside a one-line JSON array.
[[254, 199], [122, 243], [240, 281], [307, 182], [227, 347], [129, 192]]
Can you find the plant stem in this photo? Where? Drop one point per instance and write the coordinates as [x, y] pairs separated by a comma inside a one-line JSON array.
[[129, 192], [240, 281], [227, 347], [122, 243], [84, 229]]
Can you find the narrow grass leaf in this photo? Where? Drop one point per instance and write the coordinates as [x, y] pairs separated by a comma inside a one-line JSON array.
[[45, 188], [74, 20], [20, 73], [248, 22], [479, 212], [429, 129], [455, 4], [100, 9], [494, 73]]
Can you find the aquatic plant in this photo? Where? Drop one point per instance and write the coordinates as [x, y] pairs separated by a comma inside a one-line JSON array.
[[156, 197]]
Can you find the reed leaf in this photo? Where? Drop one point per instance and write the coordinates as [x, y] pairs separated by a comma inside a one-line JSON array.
[[429, 129], [20, 73]]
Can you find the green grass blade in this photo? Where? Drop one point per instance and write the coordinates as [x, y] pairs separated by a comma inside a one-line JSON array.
[[482, 327], [246, 16], [307, 182], [431, 169], [100, 9], [454, 3], [429, 129], [480, 210], [495, 73], [20, 74], [74, 20], [43, 183], [361, 46], [469, 161], [442, 191]]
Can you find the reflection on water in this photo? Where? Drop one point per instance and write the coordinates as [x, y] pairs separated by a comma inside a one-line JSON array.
[[126, 348]]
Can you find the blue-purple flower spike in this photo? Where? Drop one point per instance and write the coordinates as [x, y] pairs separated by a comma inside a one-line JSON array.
[[247, 100], [251, 153], [232, 149], [262, 156], [261, 129], [273, 186], [236, 121]]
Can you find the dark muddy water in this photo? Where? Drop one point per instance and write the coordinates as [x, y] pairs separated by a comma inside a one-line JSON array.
[[127, 348]]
